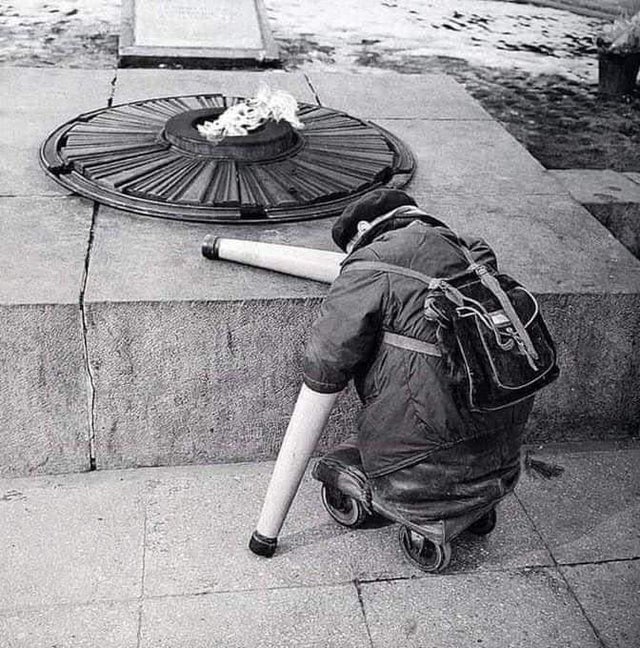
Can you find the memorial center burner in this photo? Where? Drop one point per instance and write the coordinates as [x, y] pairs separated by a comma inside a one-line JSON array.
[[148, 157]]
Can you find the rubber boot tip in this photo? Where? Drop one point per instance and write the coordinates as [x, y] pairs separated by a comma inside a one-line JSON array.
[[262, 545]]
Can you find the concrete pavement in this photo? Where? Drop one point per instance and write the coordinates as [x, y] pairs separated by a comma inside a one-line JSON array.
[[158, 557]]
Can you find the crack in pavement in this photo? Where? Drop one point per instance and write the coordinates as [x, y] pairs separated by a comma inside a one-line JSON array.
[[91, 396]]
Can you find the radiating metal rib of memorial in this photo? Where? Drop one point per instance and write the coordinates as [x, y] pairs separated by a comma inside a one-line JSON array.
[[148, 157]]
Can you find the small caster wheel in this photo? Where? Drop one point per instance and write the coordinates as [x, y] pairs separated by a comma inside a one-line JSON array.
[[345, 510], [484, 525], [424, 554]]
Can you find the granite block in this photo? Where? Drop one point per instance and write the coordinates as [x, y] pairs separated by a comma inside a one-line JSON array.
[[328, 617], [609, 594], [590, 512], [505, 609], [108, 625], [598, 186], [470, 157], [406, 96], [69, 541], [132, 85], [47, 97], [44, 407]]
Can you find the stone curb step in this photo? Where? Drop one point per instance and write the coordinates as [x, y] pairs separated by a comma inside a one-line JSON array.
[[612, 197]]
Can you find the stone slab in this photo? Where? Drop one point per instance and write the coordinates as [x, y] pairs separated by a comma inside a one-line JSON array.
[[197, 382], [597, 394], [590, 512], [43, 244], [408, 96], [622, 220], [287, 618], [609, 595], [229, 31], [149, 275], [197, 537], [43, 395], [470, 157], [200, 521], [108, 625], [70, 540], [133, 85], [550, 243], [598, 186], [44, 417], [506, 609], [145, 259], [42, 99], [183, 382]]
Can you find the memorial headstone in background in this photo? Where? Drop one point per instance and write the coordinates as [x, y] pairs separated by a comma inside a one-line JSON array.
[[197, 33]]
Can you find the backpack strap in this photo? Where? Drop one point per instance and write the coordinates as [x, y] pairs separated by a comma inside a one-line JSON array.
[[487, 279], [388, 267], [396, 339], [410, 344], [490, 282]]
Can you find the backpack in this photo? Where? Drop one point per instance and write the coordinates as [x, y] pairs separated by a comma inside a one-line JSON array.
[[490, 333]]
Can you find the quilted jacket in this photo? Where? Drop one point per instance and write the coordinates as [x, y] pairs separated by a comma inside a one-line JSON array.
[[423, 451]]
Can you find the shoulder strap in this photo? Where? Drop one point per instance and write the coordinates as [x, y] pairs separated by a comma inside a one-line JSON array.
[[389, 267]]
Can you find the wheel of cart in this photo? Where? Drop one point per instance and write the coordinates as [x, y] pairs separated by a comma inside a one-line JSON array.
[[344, 509], [425, 554], [486, 524]]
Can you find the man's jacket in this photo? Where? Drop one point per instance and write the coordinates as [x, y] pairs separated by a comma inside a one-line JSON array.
[[421, 448]]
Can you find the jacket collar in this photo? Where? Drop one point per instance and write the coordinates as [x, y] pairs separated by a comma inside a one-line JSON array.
[[396, 219]]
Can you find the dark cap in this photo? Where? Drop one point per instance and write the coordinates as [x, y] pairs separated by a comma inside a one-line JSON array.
[[376, 203]]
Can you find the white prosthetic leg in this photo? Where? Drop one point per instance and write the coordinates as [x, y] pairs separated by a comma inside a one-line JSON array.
[[307, 422]]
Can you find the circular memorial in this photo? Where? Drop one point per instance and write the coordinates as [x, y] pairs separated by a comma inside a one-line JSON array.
[[149, 157]]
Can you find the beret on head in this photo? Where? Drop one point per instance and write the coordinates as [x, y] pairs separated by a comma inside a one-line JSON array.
[[376, 203]]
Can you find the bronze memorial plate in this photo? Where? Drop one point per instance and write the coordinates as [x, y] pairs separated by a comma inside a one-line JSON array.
[[148, 157]]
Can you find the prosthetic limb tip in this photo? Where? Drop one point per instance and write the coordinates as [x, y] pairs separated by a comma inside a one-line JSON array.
[[262, 545]]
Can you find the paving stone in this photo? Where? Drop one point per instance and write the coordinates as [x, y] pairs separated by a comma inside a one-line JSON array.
[[548, 242], [590, 512], [407, 96], [470, 157], [73, 539], [108, 625], [510, 609], [46, 98], [200, 522], [143, 259], [598, 186], [321, 616], [43, 244], [198, 533], [609, 594], [133, 85]]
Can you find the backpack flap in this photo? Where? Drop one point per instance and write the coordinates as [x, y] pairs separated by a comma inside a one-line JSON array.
[[502, 361]]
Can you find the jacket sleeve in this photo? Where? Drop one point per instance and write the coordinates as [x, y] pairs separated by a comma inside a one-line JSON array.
[[345, 333]]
